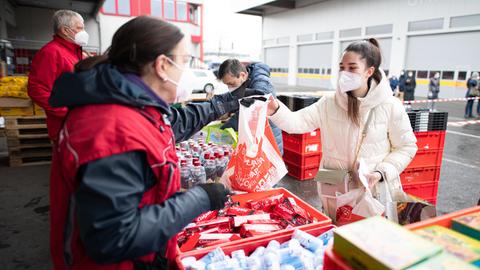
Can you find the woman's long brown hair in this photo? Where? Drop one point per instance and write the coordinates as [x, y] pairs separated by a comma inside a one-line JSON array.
[[370, 51]]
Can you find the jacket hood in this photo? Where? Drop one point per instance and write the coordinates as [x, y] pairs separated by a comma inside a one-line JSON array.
[[103, 84], [377, 94]]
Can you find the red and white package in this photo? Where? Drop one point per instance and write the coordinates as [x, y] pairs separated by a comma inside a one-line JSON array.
[[238, 221], [266, 203]]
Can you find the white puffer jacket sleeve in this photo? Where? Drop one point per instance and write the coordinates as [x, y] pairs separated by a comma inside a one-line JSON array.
[[403, 143], [302, 121]]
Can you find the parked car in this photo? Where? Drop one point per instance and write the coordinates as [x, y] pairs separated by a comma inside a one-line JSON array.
[[206, 82]]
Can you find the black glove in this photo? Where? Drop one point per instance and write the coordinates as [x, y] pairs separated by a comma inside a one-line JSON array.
[[217, 193], [243, 91], [247, 102]]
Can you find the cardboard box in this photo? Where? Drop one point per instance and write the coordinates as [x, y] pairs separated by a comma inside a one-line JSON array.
[[443, 261], [376, 243], [463, 247], [38, 110], [8, 102], [468, 225], [16, 111]]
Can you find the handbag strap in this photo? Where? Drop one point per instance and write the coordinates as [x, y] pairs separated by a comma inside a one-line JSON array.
[[362, 138]]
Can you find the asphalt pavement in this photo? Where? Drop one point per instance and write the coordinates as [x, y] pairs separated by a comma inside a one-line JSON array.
[[24, 204]]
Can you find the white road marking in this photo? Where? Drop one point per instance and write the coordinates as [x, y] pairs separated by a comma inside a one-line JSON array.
[[461, 163], [463, 134]]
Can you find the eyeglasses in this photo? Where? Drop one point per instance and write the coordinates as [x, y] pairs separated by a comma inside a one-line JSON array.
[[185, 58]]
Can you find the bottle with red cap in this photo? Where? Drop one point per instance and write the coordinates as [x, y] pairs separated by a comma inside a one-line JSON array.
[[210, 166], [198, 173], [185, 175]]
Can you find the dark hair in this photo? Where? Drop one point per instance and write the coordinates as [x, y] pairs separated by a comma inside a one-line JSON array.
[[370, 51], [137, 43], [230, 66]]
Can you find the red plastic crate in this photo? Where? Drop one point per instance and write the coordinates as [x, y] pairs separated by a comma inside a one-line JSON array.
[[306, 160], [427, 190], [249, 247], [309, 137], [332, 261], [427, 158], [417, 175], [431, 140], [301, 147], [322, 220], [302, 173], [445, 220]]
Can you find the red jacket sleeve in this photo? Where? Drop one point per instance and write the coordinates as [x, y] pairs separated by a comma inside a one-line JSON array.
[[43, 73]]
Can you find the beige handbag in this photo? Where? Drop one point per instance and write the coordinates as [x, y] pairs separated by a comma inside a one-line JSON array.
[[333, 181]]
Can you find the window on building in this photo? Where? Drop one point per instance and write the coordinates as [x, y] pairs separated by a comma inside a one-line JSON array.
[[123, 7], [310, 70], [299, 70], [386, 72], [465, 21], [329, 71], [169, 12], [448, 75], [193, 13], [462, 75], [181, 11], [426, 25], [317, 71], [109, 7], [432, 73], [156, 8], [323, 71], [422, 74]]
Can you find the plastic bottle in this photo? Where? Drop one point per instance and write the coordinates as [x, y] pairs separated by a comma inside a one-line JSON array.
[[216, 255], [189, 159], [271, 262], [185, 175], [221, 164], [258, 252], [198, 173], [308, 241], [326, 236], [211, 168]]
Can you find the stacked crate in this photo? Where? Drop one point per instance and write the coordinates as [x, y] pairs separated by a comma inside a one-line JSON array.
[[422, 176], [27, 140], [302, 154]]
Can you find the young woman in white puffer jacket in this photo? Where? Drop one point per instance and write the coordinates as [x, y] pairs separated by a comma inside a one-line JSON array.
[[389, 145]]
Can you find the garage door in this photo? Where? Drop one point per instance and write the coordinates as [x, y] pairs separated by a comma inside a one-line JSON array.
[[277, 59], [454, 55], [314, 62]]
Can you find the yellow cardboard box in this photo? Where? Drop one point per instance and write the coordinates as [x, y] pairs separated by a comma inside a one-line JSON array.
[[38, 110], [16, 111]]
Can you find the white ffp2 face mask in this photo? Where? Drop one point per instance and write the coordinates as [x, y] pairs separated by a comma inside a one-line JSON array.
[[184, 84], [349, 81], [81, 38]]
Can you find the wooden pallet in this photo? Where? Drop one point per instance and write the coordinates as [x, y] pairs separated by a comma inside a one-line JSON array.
[[25, 122], [30, 133], [15, 142], [30, 156]]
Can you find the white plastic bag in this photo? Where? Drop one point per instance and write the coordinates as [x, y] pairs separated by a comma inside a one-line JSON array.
[[358, 203], [256, 163]]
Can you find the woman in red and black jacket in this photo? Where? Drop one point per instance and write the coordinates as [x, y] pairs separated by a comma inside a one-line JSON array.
[[114, 194]]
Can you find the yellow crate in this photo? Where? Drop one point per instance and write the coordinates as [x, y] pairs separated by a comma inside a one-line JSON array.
[[16, 111], [38, 110]]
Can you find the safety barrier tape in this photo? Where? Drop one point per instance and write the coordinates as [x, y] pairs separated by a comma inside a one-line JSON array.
[[439, 100], [463, 123]]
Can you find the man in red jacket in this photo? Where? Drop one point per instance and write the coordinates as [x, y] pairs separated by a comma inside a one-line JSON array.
[[58, 56]]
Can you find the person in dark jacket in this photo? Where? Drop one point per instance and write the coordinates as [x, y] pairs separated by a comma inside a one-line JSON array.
[[114, 199], [472, 91], [410, 85], [434, 89], [393, 83], [254, 76]]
